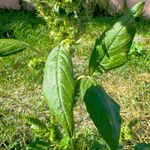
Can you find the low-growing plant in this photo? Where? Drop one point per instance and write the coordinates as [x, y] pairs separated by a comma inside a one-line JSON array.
[[110, 51]]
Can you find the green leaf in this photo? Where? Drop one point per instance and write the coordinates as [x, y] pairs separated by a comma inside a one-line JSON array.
[[11, 46], [38, 144], [34, 120], [112, 48], [103, 110], [142, 146], [64, 143], [58, 86]]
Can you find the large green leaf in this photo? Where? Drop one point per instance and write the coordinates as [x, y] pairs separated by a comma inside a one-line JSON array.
[[103, 110], [11, 46], [112, 48], [58, 86]]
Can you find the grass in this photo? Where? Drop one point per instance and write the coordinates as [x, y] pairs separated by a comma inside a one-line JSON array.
[[21, 79]]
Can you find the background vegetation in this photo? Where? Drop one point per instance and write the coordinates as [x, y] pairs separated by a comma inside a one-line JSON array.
[[21, 79]]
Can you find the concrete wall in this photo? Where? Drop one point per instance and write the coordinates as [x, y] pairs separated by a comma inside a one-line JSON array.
[[14, 4], [10, 4]]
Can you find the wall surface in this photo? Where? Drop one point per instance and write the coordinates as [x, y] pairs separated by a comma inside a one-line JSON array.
[[14, 4], [10, 4], [116, 5], [147, 8]]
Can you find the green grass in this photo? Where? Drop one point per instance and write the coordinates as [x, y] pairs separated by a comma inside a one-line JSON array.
[[21, 81]]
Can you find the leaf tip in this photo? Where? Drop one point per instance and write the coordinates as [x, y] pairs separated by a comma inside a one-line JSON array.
[[138, 8]]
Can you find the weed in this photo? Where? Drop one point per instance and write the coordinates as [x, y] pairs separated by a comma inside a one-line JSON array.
[[131, 81]]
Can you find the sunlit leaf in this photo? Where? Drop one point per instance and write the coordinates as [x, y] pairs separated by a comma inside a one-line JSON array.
[[58, 86], [11, 46], [112, 48]]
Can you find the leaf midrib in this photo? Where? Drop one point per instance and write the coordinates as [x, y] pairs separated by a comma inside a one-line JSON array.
[[58, 89], [117, 34]]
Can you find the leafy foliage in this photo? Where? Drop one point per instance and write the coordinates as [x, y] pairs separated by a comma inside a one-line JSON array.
[[58, 86], [103, 110], [112, 48], [110, 51], [142, 146], [38, 144], [60, 16], [11, 46]]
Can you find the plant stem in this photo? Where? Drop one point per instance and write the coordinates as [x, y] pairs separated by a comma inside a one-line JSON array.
[[73, 144], [73, 141]]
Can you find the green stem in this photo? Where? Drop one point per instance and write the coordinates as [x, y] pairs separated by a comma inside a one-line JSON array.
[[73, 144], [73, 141]]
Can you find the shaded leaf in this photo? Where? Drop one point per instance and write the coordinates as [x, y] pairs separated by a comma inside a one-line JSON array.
[[58, 86], [38, 144], [112, 48], [11, 46], [142, 146], [34, 120], [103, 110]]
